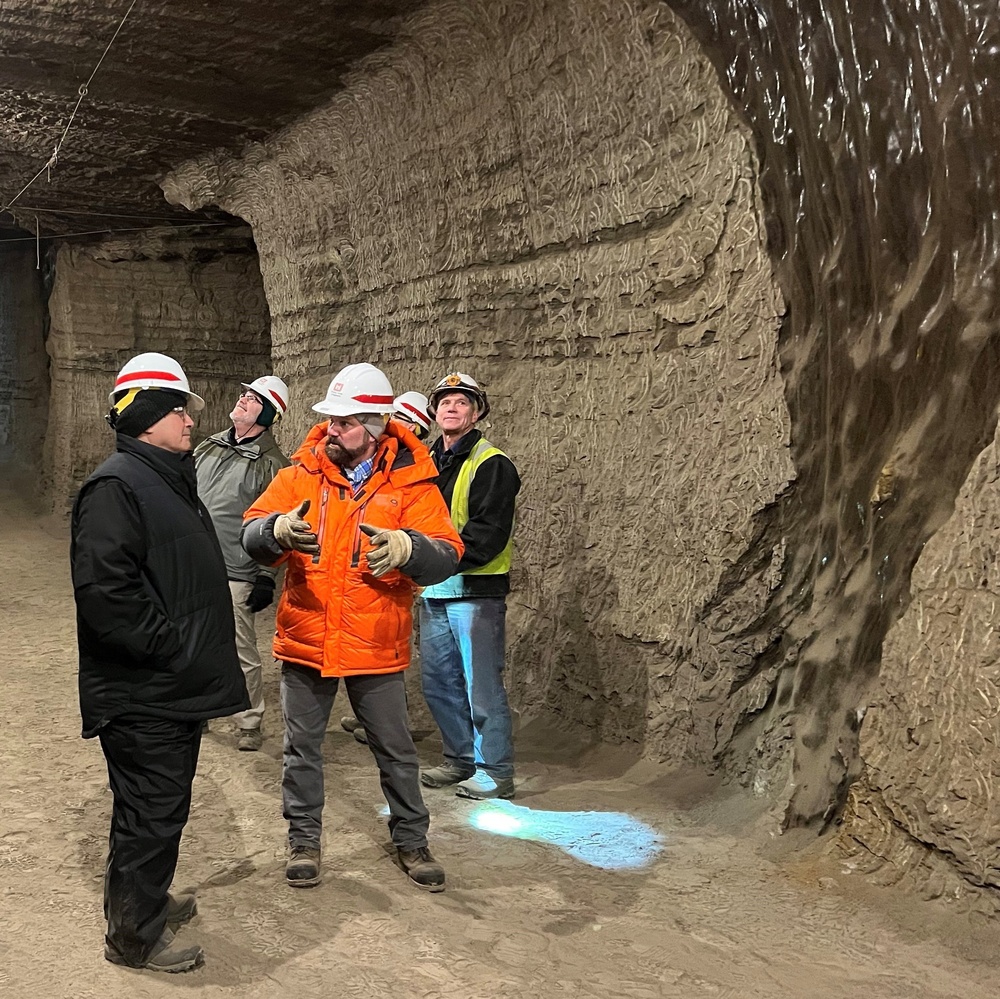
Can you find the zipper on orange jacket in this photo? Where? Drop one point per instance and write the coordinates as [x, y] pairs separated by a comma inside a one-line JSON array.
[[356, 554], [324, 495]]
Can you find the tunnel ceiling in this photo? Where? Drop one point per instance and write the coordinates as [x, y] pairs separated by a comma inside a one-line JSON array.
[[182, 77]]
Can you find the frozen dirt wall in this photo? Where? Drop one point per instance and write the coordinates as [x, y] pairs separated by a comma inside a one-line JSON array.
[[881, 187], [556, 198], [926, 803], [197, 298]]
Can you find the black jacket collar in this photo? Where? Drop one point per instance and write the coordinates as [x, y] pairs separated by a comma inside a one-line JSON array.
[[443, 457], [177, 470]]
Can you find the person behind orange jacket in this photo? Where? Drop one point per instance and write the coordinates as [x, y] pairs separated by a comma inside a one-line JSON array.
[[377, 529]]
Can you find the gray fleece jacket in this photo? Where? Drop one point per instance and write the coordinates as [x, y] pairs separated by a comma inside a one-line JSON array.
[[230, 478]]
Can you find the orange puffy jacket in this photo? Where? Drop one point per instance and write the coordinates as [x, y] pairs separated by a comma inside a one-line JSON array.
[[335, 615]]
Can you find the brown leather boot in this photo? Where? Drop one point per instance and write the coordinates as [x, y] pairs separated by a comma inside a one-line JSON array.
[[303, 867], [422, 869]]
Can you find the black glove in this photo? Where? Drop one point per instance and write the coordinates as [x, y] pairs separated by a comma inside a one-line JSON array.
[[262, 594]]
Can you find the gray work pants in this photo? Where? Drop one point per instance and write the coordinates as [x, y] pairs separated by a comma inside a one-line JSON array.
[[246, 649], [379, 703]]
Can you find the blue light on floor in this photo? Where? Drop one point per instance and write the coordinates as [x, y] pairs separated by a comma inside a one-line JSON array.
[[609, 840]]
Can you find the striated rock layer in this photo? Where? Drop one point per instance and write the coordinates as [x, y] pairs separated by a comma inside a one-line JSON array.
[[556, 198], [197, 298]]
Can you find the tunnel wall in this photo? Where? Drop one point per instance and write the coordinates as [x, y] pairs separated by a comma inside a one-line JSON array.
[[196, 297], [557, 199], [880, 186], [23, 363]]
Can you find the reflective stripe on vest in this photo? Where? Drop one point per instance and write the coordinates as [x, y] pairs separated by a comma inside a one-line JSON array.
[[460, 507]]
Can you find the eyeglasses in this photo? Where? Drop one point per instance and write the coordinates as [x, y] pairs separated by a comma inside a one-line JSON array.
[[247, 394], [180, 410]]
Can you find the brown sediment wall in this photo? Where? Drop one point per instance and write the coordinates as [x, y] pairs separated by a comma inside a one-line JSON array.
[[558, 199]]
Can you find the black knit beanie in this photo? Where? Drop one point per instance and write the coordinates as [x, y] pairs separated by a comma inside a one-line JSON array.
[[148, 407]]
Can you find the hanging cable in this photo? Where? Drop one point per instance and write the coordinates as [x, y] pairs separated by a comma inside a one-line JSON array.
[[52, 160], [96, 214], [113, 232]]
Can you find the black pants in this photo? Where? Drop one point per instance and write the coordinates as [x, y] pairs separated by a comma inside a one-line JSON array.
[[151, 765]]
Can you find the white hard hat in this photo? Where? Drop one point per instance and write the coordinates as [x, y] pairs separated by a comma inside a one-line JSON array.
[[356, 389], [412, 406], [458, 382], [155, 371], [272, 389]]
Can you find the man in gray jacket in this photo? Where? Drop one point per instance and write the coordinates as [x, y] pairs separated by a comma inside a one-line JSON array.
[[234, 467]]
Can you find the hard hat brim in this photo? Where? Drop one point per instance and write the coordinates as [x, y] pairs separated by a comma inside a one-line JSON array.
[[328, 409], [476, 395], [280, 410]]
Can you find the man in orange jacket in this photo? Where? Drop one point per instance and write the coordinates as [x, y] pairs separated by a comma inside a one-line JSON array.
[[377, 529]]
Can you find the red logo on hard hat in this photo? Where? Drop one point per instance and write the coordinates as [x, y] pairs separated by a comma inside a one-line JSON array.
[[338, 386]]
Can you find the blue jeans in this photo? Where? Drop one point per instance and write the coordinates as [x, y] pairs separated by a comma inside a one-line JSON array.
[[461, 670]]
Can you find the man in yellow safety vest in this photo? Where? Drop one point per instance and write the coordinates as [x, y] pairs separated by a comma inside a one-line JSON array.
[[462, 620]]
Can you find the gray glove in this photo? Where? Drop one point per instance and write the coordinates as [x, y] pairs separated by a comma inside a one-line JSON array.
[[390, 549], [293, 533]]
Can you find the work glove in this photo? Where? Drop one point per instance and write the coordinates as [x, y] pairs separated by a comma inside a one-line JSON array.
[[390, 549], [293, 533], [261, 595]]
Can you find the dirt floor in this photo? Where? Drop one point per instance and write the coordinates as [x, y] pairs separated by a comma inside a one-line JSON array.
[[538, 904]]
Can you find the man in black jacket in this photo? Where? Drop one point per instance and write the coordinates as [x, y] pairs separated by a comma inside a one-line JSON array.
[[462, 620], [157, 650]]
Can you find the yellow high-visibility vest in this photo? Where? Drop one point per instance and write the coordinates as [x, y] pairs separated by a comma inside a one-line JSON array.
[[460, 507]]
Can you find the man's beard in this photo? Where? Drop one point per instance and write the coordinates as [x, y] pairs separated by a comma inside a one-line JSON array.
[[340, 455], [240, 417]]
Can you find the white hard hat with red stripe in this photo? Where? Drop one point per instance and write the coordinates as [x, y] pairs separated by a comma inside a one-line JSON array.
[[155, 371], [272, 389], [412, 406], [459, 382], [357, 389]]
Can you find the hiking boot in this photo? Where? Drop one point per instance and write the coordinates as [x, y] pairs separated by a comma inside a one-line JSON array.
[[167, 956], [349, 723], [446, 774], [360, 735], [302, 869], [422, 869], [180, 910], [481, 786], [250, 740]]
